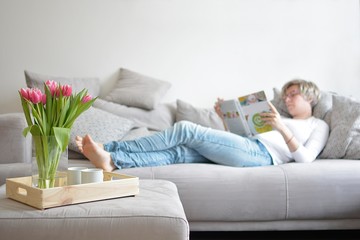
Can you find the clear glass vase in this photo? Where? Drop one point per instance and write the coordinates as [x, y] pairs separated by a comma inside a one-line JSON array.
[[49, 163]]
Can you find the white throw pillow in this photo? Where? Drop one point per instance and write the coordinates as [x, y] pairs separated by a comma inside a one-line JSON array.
[[136, 90]]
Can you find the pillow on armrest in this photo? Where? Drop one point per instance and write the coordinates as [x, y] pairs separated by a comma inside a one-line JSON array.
[[37, 80], [202, 116]]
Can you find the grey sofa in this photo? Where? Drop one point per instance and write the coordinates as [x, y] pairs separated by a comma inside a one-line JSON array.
[[321, 195]]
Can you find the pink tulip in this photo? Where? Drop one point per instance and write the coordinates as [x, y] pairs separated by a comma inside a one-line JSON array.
[[53, 86], [66, 90], [43, 99], [35, 95], [25, 93], [86, 98]]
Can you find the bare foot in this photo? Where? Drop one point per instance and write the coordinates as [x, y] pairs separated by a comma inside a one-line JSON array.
[[95, 153]]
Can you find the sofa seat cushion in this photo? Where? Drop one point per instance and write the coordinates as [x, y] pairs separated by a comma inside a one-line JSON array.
[[324, 189], [211, 192]]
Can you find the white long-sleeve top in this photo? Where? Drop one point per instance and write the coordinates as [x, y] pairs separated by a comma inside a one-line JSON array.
[[311, 133]]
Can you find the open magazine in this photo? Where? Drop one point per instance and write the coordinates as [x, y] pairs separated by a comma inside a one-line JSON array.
[[241, 115]]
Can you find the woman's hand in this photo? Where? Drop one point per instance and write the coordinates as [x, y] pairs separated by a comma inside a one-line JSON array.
[[273, 118], [217, 107]]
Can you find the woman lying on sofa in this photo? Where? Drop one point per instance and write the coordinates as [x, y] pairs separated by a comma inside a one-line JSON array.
[[300, 139]]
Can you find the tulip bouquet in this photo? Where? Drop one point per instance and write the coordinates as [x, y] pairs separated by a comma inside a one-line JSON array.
[[50, 116]]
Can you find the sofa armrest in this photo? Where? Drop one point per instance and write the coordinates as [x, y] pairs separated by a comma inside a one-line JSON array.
[[14, 147], [14, 170]]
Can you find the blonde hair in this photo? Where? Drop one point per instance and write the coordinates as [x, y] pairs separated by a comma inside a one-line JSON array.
[[308, 90]]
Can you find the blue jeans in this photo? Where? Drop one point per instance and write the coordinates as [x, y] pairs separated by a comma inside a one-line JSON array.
[[187, 142]]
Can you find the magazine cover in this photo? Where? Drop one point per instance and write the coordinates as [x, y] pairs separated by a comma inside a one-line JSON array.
[[242, 115]]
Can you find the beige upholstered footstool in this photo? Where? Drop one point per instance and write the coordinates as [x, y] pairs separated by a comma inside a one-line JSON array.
[[155, 213]]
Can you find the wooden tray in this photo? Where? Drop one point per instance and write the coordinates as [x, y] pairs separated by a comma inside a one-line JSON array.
[[114, 186]]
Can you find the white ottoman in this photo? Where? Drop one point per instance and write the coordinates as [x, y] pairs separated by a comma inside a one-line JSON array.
[[155, 213]]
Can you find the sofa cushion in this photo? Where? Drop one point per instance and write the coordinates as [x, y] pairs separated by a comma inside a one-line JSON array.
[[37, 80], [204, 116], [344, 139], [136, 90], [101, 125], [323, 190], [14, 170], [217, 193], [160, 118], [15, 148]]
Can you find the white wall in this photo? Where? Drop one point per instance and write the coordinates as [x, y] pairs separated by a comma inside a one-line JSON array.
[[206, 48]]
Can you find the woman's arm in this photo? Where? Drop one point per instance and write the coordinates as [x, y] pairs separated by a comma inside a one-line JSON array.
[[314, 145], [274, 119], [311, 148]]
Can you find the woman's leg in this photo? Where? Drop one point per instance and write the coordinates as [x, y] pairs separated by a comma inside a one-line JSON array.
[[108, 161], [189, 142], [174, 155]]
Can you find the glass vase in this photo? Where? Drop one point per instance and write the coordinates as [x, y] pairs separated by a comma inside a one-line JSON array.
[[49, 163]]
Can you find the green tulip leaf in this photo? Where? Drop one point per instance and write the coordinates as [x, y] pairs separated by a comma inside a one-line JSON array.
[[62, 136], [33, 129]]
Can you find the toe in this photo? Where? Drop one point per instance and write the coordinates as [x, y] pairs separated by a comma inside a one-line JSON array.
[[81, 150], [78, 138]]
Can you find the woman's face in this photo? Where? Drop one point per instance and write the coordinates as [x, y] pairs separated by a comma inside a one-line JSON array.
[[297, 105]]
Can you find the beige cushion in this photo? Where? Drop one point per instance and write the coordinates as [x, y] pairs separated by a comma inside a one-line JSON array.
[[160, 118], [206, 117], [136, 90]]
